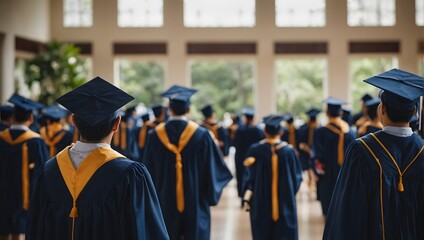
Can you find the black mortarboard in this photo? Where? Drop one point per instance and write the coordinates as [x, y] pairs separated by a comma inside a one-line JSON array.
[[23, 103], [288, 117], [157, 110], [54, 112], [273, 123], [372, 102], [145, 116], [334, 105], [366, 97], [207, 110], [95, 101], [248, 112], [313, 112], [179, 97], [401, 89]]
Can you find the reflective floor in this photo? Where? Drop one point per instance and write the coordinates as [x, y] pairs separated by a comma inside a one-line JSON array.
[[229, 222]]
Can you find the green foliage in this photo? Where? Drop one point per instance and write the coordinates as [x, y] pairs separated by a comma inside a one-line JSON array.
[[299, 85], [142, 79], [361, 69], [57, 69], [227, 85]]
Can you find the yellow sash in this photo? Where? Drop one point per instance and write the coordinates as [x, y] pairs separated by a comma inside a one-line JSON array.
[[185, 137], [363, 129], [23, 138], [143, 133], [311, 129], [50, 137], [292, 135], [341, 129]]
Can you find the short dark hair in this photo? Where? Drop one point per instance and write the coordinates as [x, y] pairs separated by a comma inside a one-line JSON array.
[[178, 110], [5, 116], [334, 113], [96, 133], [22, 115], [397, 116], [372, 111], [272, 131]]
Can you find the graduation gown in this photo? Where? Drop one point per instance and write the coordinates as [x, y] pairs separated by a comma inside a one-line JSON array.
[[369, 127], [329, 151], [306, 135], [113, 198], [141, 134], [367, 202], [56, 138], [221, 134], [3, 126], [124, 142], [245, 136], [271, 221], [200, 174], [21, 154]]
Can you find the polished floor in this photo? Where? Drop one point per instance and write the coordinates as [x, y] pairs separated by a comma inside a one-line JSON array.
[[229, 222]]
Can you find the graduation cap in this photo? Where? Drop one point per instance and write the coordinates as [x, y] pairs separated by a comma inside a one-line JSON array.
[[313, 112], [179, 97], [23, 103], [288, 117], [95, 101], [334, 105], [207, 111], [401, 89], [273, 123], [54, 112], [145, 117], [157, 110], [248, 112], [372, 102], [366, 97]]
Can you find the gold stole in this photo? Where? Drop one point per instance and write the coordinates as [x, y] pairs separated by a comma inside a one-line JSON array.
[[23, 138], [120, 137], [76, 180], [361, 121], [214, 130], [292, 134], [311, 129], [400, 184], [276, 144], [341, 129], [143, 133], [363, 129], [185, 137], [49, 135]]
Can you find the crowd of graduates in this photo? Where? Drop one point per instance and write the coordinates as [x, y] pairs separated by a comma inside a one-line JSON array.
[[178, 166]]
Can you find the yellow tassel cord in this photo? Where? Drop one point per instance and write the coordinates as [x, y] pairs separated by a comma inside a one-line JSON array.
[[400, 184], [312, 126], [274, 186], [180, 183], [74, 210], [25, 177]]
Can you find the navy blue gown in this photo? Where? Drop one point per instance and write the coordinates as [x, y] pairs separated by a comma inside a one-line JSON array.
[[221, 134], [244, 138], [124, 141], [205, 174], [258, 178], [17, 173], [57, 140], [356, 210], [118, 202], [140, 135], [325, 150]]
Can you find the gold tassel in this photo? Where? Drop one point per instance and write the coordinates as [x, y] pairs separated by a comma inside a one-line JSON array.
[[340, 149], [400, 185], [74, 211]]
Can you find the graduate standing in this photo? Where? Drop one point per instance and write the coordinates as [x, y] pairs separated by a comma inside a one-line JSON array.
[[187, 167], [380, 190], [89, 191], [219, 132], [373, 123], [361, 118], [306, 135], [141, 132], [329, 144], [246, 135], [271, 181], [53, 133], [22, 152], [124, 140]]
